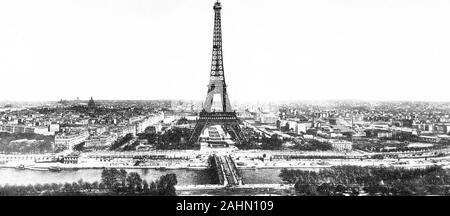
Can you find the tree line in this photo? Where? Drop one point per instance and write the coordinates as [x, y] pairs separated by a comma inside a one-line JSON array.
[[258, 141], [113, 182], [121, 141], [313, 145], [172, 139], [355, 180]]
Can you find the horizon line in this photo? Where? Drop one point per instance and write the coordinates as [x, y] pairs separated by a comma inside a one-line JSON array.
[[237, 100]]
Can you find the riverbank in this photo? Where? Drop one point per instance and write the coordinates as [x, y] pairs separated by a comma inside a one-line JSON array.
[[281, 167], [76, 167], [249, 166], [246, 163]]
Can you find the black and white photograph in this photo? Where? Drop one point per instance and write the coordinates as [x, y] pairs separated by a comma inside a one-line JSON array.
[[245, 98]]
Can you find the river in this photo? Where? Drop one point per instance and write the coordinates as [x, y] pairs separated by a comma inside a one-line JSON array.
[[267, 175], [13, 176], [261, 176]]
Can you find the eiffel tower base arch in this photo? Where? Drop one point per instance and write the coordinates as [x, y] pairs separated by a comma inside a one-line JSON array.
[[227, 120]]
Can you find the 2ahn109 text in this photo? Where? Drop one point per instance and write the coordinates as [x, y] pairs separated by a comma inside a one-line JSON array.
[[246, 205]]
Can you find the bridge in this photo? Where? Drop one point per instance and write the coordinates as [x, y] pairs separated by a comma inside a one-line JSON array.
[[227, 171]]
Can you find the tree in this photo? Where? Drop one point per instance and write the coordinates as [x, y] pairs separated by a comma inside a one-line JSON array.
[[114, 179], [305, 189], [121, 178], [354, 192], [87, 186], [80, 182], [108, 177], [285, 128], [272, 143], [134, 182], [95, 185], [121, 141], [38, 187], [79, 147], [76, 187], [153, 187], [339, 190], [55, 187], [67, 187], [166, 185], [46, 186], [145, 187], [325, 189], [101, 186]]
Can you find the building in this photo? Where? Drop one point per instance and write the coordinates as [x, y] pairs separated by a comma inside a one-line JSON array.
[[91, 105], [97, 129], [341, 145], [25, 129], [432, 139], [43, 131], [69, 140], [336, 121], [268, 118], [424, 127], [52, 128], [70, 159], [123, 130], [146, 122], [302, 127], [103, 140], [295, 125], [380, 133], [442, 128]]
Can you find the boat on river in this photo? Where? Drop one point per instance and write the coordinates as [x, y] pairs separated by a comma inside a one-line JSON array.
[[37, 168], [161, 168], [54, 169]]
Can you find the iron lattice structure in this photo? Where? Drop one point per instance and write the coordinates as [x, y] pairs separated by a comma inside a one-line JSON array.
[[217, 108]]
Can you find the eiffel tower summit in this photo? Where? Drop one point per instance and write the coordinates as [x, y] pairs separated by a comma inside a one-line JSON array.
[[217, 125]]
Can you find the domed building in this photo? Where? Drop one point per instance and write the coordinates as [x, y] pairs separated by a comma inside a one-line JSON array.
[[91, 105]]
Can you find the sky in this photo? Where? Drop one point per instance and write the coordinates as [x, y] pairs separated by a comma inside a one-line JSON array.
[[273, 50]]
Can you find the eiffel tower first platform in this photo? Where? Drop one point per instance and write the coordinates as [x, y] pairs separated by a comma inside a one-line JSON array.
[[217, 110]]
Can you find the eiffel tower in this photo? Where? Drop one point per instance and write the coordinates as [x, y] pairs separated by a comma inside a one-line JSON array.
[[217, 109]]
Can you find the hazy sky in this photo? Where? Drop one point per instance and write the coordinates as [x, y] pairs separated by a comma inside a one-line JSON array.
[[273, 50]]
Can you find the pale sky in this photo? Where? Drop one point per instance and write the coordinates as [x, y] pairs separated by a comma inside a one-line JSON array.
[[273, 50]]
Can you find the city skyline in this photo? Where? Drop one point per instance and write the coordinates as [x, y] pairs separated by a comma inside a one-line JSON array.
[[147, 50], [75, 147]]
